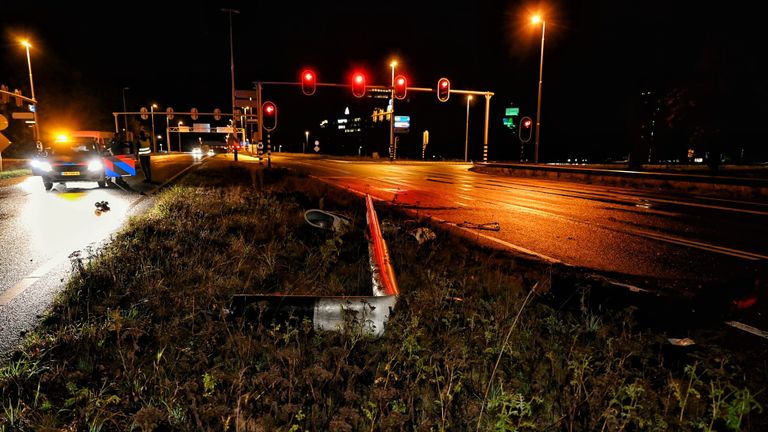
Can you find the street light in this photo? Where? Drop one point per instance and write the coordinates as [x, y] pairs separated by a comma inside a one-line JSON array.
[[538, 19], [125, 116], [466, 133], [306, 141], [152, 112], [32, 90], [232, 64], [392, 64], [180, 123]]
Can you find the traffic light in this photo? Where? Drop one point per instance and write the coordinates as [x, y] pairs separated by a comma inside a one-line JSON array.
[[443, 89], [18, 97], [358, 84], [526, 127], [269, 115], [308, 82], [401, 87], [4, 97]]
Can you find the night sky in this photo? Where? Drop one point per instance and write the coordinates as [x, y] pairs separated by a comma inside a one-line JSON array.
[[599, 56]]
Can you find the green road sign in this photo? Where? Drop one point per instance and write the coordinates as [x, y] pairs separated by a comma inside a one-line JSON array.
[[511, 112]]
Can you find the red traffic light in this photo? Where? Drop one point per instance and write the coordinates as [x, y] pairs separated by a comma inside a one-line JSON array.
[[269, 115], [443, 89], [524, 133], [308, 82], [401, 87], [358, 84]]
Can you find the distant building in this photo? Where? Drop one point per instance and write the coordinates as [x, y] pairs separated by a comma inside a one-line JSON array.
[[360, 129]]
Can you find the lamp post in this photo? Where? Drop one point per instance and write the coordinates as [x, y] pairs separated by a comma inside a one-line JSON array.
[[392, 64], [180, 123], [466, 133], [125, 116], [538, 19], [306, 141], [36, 130], [152, 113], [232, 64]]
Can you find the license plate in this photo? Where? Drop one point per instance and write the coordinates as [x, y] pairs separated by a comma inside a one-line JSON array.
[[70, 173]]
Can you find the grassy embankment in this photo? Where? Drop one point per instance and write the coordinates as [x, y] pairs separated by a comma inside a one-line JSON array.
[[141, 338]]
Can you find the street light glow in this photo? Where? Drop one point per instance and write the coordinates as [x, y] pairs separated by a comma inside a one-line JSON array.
[[26, 43], [536, 19], [393, 63]]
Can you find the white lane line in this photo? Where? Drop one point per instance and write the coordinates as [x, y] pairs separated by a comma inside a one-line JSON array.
[[12, 292], [22, 285]]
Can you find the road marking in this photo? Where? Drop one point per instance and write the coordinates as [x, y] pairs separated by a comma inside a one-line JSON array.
[[12, 292], [21, 286]]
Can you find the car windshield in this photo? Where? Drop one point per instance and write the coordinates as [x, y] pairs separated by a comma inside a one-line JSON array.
[[73, 148]]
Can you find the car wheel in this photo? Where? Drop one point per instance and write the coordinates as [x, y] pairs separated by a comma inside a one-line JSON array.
[[48, 185]]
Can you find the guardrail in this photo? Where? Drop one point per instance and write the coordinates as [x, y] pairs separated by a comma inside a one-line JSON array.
[[746, 187]]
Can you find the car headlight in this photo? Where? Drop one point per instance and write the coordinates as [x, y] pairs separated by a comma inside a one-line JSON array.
[[41, 165], [95, 165]]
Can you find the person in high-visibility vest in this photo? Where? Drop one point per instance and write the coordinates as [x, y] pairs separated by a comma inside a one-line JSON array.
[[145, 152]]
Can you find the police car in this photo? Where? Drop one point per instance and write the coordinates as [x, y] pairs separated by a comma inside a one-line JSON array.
[[70, 160]]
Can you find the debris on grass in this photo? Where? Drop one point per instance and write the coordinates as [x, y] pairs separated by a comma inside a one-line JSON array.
[[337, 223], [422, 234]]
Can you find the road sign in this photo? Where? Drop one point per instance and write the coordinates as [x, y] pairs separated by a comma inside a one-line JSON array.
[[23, 115], [193, 112], [4, 142], [511, 112], [217, 114], [260, 145], [317, 149], [144, 114], [246, 94], [169, 113], [246, 103]]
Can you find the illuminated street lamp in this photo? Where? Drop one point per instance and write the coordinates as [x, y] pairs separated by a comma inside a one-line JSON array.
[[152, 112], [180, 123], [538, 19], [32, 90], [466, 133], [392, 64], [306, 141]]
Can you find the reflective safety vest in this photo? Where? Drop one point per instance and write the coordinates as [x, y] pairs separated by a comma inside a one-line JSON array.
[[144, 148]]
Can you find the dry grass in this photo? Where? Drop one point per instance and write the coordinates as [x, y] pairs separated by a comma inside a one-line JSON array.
[[141, 339]]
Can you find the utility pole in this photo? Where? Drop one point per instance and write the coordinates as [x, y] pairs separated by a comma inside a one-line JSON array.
[[232, 64]]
